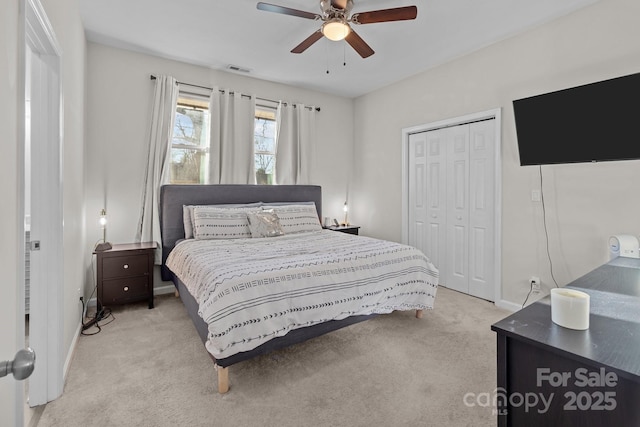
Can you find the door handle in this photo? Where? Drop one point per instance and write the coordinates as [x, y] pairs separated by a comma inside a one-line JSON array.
[[21, 366]]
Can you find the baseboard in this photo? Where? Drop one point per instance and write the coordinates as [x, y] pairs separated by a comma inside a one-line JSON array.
[[508, 305], [72, 349], [163, 290]]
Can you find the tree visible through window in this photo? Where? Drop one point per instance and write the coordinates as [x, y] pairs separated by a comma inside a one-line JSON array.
[[264, 137], [190, 142]]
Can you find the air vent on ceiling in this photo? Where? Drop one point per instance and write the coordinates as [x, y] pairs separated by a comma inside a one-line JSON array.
[[238, 69]]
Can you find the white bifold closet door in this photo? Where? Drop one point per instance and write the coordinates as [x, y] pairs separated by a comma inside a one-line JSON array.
[[452, 204]]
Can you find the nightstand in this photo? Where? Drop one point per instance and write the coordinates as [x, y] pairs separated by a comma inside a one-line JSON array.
[[349, 229], [125, 274]]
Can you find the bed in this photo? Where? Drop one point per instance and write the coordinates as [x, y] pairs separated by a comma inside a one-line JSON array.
[[261, 292]]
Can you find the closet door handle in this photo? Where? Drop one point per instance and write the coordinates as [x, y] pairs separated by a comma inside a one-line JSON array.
[[458, 217]]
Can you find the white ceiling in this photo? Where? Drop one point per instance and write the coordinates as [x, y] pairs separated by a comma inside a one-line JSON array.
[[217, 33]]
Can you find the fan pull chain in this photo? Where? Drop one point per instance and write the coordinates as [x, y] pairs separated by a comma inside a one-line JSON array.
[[344, 54], [326, 50]]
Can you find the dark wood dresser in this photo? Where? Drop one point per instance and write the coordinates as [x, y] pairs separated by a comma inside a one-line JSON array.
[[125, 274], [552, 376]]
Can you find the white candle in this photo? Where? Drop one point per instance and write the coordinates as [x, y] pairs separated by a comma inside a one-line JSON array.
[[570, 308]]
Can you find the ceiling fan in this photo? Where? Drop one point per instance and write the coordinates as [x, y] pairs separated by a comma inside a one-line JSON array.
[[335, 15]]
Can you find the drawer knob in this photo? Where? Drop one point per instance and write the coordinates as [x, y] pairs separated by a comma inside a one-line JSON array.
[[126, 288], [125, 266]]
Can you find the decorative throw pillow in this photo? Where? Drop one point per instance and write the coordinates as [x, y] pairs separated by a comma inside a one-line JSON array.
[[264, 224], [298, 218], [217, 223], [187, 214]]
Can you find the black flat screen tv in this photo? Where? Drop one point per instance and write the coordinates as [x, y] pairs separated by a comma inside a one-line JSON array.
[[595, 122]]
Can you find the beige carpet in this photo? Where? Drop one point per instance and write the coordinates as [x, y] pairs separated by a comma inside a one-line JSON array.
[[149, 368]]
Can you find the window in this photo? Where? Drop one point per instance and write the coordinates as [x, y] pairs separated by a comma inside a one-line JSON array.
[[264, 137], [190, 142]]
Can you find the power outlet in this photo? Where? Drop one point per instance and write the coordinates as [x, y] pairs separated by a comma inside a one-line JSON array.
[[534, 281]]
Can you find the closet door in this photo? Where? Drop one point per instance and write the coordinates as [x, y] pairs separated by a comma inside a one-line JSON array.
[[436, 197], [417, 192], [427, 194], [482, 209], [457, 202], [452, 204]]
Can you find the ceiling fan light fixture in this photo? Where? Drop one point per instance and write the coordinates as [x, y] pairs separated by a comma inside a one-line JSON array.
[[335, 29]]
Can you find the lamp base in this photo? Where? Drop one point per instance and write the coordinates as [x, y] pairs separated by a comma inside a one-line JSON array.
[[101, 247]]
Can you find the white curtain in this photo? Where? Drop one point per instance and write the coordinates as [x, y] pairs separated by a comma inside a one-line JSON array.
[[232, 150], [295, 142], [157, 172]]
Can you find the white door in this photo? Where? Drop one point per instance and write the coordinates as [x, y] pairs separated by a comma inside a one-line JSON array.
[[457, 219], [428, 197], [482, 210], [46, 271], [418, 216], [451, 215], [42, 77], [436, 197]]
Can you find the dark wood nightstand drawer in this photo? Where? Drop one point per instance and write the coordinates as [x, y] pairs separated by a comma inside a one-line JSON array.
[[121, 291], [125, 273], [125, 266]]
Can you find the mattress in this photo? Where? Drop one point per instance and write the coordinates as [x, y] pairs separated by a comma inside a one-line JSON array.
[[250, 291]]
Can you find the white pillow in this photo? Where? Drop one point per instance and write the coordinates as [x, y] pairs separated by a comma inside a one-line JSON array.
[[187, 214], [298, 218], [220, 223]]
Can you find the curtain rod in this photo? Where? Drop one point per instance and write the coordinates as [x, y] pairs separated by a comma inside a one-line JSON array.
[[222, 91]]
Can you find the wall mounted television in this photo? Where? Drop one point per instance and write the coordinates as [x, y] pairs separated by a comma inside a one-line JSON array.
[[595, 122]]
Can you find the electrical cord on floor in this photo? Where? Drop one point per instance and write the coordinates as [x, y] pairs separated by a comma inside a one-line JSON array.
[[104, 314], [100, 315]]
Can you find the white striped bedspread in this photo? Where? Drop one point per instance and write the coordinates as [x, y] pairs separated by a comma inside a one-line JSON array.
[[252, 290]]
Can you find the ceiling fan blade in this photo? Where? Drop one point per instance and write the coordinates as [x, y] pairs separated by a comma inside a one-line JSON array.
[[339, 4], [385, 15], [306, 43], [287, 11], [360, 46]]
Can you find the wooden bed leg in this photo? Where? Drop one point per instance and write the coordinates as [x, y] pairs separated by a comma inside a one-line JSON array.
[[418, 314], [223, 379], [176, 293]]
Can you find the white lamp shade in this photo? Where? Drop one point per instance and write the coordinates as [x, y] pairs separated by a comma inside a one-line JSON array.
[[335, 30]]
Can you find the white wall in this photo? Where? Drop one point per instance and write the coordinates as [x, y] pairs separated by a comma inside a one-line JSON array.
[[119, 93], [585, 203], [65, 19]]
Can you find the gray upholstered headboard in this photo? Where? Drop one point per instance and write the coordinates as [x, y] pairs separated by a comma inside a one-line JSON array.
[[173, 197]]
